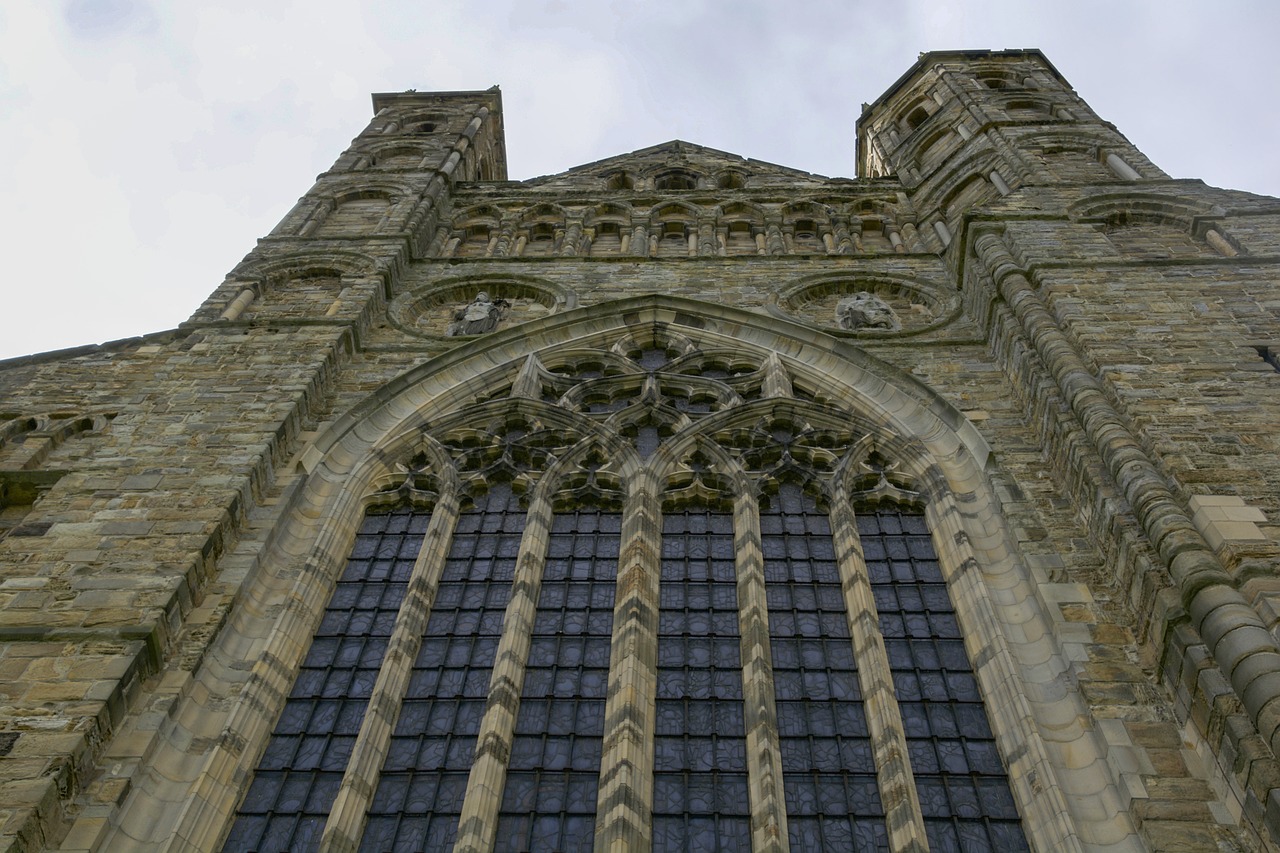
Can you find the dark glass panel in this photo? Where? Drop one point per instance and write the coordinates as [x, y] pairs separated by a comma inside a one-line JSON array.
[[553, 774], [301, 769], [424, 778], [829, 776], [700, 760], [964, 791]]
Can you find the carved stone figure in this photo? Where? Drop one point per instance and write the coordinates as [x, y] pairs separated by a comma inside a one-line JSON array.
[[480, 316], [866, 311]]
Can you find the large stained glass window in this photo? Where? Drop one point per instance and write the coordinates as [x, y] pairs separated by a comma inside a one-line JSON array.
[[700, 792], [553, 776], [963, 787], [829, 773], [421, 788], [299, 774]]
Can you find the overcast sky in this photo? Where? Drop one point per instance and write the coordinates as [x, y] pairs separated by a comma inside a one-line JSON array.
[[145, 146]]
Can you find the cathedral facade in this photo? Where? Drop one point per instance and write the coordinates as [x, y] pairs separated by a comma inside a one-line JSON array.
[[678, 501]]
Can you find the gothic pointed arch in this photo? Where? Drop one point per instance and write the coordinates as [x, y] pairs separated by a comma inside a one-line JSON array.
[[633, 410]]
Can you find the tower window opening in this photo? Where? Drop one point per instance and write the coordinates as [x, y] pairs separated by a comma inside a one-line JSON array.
[[675, 181], [619, 181], [917, 117], [806, 230]]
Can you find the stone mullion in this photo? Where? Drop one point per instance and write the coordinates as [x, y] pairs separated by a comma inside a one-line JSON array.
[[625, 805], [903, 817], [345, 825], [478, 824], [1045, 815], [764, 756]]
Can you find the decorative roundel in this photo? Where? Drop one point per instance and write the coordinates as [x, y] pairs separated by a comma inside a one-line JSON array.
[[475, 305], [867, 305]]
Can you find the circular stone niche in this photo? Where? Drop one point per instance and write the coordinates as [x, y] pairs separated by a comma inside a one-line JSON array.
[[917, 306], [430, 311]]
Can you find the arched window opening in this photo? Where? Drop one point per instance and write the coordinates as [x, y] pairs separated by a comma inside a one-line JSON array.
[[916, 117], [731, 181], [608, 239], [542, 236], [805, 236], [674, 238], [475, 240], [355, 216], [740, 238], [1149, 238], [873, 237], [298, 776], [1024, 110], [619, 181], [675, 180]]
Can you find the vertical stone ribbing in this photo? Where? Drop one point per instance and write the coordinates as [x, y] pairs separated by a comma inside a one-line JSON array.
[[625, 805], [764, 757], [479, 821], [902, 813], [345, 825], [1045, 816], [1217, 610]]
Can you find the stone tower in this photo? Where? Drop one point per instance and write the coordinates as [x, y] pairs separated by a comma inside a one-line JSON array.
[[676, 501]]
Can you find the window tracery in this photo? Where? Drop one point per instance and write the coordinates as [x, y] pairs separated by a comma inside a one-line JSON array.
[[715, 426]]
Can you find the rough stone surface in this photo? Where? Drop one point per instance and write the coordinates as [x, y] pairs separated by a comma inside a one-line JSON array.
[[1086, 383]]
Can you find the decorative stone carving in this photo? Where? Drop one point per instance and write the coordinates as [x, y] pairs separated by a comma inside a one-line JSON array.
[[482, 315], [866, 311]]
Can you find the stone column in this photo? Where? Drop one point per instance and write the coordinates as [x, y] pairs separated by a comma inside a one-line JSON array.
[[570, 242], [624, 806], [241, 302], [1122, 169], [1233, 632], [844, 240], [895, 239], [944, 233], [774, 244], [902, 813], [1215, 239], [764, 755], [478, 825], [640, 239]]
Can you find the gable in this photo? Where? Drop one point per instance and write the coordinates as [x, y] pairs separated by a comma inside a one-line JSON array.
[[677, 165]]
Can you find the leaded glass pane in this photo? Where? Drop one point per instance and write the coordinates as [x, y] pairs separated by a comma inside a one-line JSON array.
[[554, 772], [301, 769], [700, 795], [828, 772], [423, 781], [963, 788]]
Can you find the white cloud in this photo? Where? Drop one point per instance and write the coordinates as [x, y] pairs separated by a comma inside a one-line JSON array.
[[146, 146]]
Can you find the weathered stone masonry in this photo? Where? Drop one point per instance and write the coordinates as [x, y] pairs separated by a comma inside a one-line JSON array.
[[1080, 396]]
